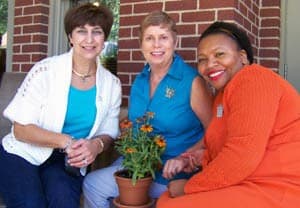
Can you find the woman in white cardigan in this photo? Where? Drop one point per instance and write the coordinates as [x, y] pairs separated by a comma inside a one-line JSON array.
[[64, 114]]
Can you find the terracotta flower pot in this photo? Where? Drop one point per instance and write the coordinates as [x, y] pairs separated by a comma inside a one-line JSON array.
[[133, 195]]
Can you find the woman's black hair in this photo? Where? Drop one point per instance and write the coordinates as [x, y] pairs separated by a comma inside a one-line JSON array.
[[232, 31]]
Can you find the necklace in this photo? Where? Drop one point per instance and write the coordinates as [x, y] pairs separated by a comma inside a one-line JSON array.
[[83, 77]]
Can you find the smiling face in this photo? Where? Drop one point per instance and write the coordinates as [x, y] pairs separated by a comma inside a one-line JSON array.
[[158, 46], [87, 41], [219, 59]]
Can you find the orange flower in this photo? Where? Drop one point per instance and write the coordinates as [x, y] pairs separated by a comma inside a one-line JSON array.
[[130, 150], [160, 141], [146, 128], [126, 124]]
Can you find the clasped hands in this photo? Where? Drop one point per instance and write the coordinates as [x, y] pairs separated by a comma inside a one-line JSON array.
[[187, 162], [82, 152]]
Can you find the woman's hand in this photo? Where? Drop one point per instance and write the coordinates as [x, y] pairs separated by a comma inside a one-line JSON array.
[[174, 166], [176, 187], [195, 158], [195, 155], [82, 152]]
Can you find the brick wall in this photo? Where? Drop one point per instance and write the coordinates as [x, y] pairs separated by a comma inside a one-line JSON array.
[[260, 18], [269, 34], [30, 39]]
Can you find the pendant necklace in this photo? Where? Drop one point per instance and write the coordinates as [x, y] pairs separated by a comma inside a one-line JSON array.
[[83, 77]]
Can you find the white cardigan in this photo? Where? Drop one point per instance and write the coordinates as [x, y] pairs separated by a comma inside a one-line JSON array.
[[42, 100]]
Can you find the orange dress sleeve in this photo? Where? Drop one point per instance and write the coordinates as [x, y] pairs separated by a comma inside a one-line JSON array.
[[250, 102]]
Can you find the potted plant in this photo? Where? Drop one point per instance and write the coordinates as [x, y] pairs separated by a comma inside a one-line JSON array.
[[141, 150]]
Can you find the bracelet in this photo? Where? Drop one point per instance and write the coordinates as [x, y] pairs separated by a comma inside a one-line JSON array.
[[98, 138], [64, 149], [101, 143]]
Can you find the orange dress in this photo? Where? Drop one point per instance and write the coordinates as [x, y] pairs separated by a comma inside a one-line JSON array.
[[253, 147]]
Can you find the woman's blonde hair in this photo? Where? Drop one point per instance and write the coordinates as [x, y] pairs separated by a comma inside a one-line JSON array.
[[157, 18]]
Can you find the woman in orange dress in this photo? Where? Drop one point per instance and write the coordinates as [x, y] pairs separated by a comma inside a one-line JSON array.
[[252, 145]]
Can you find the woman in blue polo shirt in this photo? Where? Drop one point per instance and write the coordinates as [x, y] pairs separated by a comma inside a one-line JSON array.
[[173, 91]]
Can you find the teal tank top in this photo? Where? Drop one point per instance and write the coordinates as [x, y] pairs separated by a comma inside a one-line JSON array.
[[81, 112]]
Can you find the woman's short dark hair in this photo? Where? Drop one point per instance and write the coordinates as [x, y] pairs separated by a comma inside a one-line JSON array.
[[232, 31], [91, 14]]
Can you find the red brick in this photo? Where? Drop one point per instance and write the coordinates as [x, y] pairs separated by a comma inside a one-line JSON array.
[[269, 32], [188, 54], [37, 57], [129, 44], [126, 90], [19, 3], [22, 39], [131, 20], [16, 67], [123, 55], [130, 67], [174, 16], [21, 20], [150, 6], [136, 31], [18, 12], [181, 5], [247, 25], [125, 9], [255, 9], [270, 22], [198, 16], [130, 1], [208, 4], [16, 49], [269, 63], [40, 38], [270, 42], [254, 29], [124, 78], [41, 19], [270, 12], [202, 27], [26, 67], [270, 3], [36, 10], [35, 29], [137, 56], [124, 101], [21, 58], [46, 2], [226, 14], [252, 17], [34, 48], [242, 8], [268, 53], [125, 32], [189, 42], [186, 29], [17, 30]]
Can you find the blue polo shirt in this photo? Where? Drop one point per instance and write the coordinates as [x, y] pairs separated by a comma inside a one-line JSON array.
[[173, 115]]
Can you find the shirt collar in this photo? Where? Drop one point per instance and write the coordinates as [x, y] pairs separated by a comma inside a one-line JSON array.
[[175, 70]]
